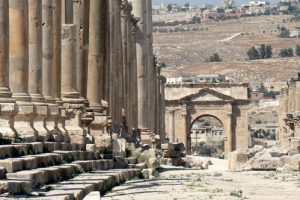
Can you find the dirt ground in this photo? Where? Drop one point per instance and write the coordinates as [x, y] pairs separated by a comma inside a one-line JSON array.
[[214, 183], [185, 53]]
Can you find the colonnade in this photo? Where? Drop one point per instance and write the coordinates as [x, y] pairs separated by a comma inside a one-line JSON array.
[[74, 70]]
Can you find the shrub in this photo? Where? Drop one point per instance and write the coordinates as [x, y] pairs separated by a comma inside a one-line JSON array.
[[284, 53], [253, 53], [283, 32], [215, 58]]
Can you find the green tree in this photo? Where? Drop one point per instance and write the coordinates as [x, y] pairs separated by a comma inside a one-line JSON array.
[[284, 32], [298, 50], [269, 51], [215, 58], [263, 51], [170, 7], [253, 53], [286, 53]]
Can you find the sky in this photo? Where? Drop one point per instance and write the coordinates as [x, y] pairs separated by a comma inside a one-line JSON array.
[[199, 2]]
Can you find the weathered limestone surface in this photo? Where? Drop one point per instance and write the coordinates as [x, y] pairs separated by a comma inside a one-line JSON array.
[[18, 68], [70, 96], [6, 102]]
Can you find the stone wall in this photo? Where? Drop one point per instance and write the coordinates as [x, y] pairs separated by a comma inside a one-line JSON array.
[[73, 71]]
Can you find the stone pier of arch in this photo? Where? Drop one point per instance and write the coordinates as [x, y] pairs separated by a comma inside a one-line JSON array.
[[73, 71]]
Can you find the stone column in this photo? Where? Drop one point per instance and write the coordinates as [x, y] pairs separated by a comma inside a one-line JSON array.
[[48, 51], [151, 67], [139, 10], [134, 83], [7, 105], [284, 134], [81, 20], [51, 63], [96, 65], [35, 69], [70, 96], [18, 63], [162, 108], [229, 141], [115, 83]]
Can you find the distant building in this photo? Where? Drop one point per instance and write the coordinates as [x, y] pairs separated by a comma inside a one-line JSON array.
[[203, 78]]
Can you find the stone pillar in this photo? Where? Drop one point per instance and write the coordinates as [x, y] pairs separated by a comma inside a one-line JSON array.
[[229, 142], [185, 132], [96, 65], [18, 71], [127, 62], [139, 10], [51, 63], [48, 51], [284, 132], [70, 96], [7, 105], [35, 69], [115, 84], [162, 107], [81, 20], [134, 78], [151, 68]]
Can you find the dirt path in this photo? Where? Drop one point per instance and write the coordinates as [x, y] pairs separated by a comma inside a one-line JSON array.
[[214, 183], [231, 37]]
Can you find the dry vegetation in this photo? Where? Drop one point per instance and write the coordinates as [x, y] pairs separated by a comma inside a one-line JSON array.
[[185, 52]]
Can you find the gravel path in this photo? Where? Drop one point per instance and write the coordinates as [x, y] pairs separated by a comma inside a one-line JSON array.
[[214, 183]]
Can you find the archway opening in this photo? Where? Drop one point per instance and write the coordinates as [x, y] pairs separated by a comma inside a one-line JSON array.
[[207, 137]]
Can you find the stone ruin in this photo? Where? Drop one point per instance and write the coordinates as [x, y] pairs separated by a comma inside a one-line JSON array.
[[78, 85], [285, 154]]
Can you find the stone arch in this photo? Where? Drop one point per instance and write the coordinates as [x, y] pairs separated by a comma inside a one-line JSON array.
[[221, 114]]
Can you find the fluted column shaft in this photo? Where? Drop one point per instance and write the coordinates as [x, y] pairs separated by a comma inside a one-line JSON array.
[[18, 69], [57, 17], [139, 10], [35, 50], [18, 51], [81, 20], [48, 51], [96, 54], [5, 93], [7, 104]]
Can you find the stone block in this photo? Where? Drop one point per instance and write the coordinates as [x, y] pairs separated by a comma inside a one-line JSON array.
[[29, 163], [15, 186], [131, 160], [91, 147], [103, 141], [120, 163], [119, 147], [35, 148], [6, 151], [36, 177], [2, 173], [12, 164], [171, 154], [237, 160], [153, 163], [93, 196], [19, 150]]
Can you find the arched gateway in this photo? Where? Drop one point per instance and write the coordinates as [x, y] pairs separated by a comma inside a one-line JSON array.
[[185, 103]]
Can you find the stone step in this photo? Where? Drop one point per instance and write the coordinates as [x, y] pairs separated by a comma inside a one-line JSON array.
[[16, 150], [44, 160], [84, 185], [41, 176]]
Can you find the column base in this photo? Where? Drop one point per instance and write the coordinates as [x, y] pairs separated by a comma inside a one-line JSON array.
[[74, 110], [146, 136], [23, 122], [97, 127], [51, 123], [41, 113], [7, 113]]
